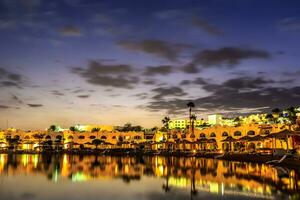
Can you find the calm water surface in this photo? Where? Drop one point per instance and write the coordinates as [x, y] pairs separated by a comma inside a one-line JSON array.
[[139, 178]]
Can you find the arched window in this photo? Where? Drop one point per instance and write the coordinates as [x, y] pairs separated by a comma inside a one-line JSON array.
[[70, 137], [17, 137], [81, 137], [92, 137], [237, 133], [224, 134], [202, 135], [26, 137], [212, 134], [192, 135], [114, 137], [250, 132], [58, 137], [103, 137], [48, 137]]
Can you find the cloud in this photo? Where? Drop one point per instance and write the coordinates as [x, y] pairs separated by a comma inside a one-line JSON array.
[[228, 56], [197, 81], [34, 105], [158, 48], [206, 26], [289, 24], [234, 95], [70, 30], [149, 82], [158, 70], [11, 79], [4, 107], [119, 75], [83, 96], [57, 93], [162, 92], [16, 99], [190, 68]]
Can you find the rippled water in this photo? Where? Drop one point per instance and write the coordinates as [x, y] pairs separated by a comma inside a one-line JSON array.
[[136, 178]]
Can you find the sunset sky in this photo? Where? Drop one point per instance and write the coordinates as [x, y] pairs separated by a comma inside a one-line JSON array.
[[71, 62]]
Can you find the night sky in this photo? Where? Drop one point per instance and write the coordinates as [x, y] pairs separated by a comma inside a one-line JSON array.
[[110, 62]]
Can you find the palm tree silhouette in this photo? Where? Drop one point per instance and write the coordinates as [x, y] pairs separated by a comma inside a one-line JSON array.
[[165, 122], [190, 105]]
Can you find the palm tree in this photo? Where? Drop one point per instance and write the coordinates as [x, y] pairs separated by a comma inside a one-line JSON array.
[[193, 118], [165, 122], [39, 137], [72, 128], [190, 105], [97, 142], [52, 128], [95, 129]]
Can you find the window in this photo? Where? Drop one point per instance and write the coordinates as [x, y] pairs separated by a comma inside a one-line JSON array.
[[103, 137], [212, 134], [48, 137], [250, 132], [202, 135], [237, 133], [26, 137], [114, 137], [137, 137], [81, 137], [92, 137], [58, 137], [224, 134], [70, 137]]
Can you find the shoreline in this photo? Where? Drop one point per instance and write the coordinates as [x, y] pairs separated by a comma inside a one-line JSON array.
[[289, 162]]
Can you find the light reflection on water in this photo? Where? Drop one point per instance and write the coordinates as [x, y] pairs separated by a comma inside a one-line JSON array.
[[103, 177]]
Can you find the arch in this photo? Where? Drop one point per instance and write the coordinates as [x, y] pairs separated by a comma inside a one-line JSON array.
[[27, 137], [81, 137], [17, 137], [92, 137], [58, 137], [103, 137], [70, 137], [114, 137], [212, 134], [174, 136], [224, 134], [192, 135], [251, 132], [48, 137], [202, 135], [237, 133]]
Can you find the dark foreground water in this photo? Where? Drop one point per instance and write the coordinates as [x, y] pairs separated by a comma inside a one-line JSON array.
[[139, 178]]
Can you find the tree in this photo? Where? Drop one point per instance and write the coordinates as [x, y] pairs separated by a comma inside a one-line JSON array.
[[270, 118], [72, 128], [127, 127], [190, 105], [95, 129], [165, 122], [193, 118], [39, 137], [237, 121], [97, 142], [52, 128], [12, 141]]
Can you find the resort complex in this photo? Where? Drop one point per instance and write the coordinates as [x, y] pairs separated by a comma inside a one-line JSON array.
[[264, 133]]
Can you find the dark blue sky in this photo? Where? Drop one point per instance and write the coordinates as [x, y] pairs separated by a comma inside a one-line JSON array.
[[77, 61]]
